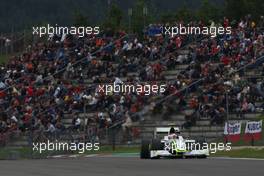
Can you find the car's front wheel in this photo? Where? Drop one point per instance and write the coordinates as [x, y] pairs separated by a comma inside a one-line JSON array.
[[145, 149]]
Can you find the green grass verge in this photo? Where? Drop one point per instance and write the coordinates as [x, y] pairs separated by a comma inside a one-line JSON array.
[[22, 153], [118, 149], [241, 153], [27, 153]]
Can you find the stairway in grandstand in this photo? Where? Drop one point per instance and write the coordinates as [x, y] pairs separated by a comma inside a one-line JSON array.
[[67, 120], [203, 127], [169, 76]]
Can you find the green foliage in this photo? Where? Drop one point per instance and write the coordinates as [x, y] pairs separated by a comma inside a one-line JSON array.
[[167, 17], [255, 7], [80, 19], [114, 18], [138, 18], [237, 9], [241, 153], [208, 12], [16, 16], [184, 14]]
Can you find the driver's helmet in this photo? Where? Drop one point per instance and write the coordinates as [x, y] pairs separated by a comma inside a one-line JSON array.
[[172, 131]]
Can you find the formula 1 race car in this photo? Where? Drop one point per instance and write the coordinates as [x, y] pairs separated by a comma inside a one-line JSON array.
[[172, 145]]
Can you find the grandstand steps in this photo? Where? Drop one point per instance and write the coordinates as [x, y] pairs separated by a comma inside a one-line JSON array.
[[178, 68], [247, 116], [170, 77], [81, 115], [17, 140], [66, 121], [181, 66], [209, 136], [183, 52], [258, 103], [202, 127], [252, 72], [170, 72], [18, 143], [133, 74], [88, 81], [177, 117], [192, 129], [242, 121]]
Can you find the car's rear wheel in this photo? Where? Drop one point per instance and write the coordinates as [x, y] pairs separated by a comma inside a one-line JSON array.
[[145, 149]]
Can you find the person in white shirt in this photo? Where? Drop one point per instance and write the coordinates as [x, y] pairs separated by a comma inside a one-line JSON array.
[[118, 81], [50, 128]]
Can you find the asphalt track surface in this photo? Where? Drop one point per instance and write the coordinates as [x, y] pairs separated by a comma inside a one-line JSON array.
[[132, 166]]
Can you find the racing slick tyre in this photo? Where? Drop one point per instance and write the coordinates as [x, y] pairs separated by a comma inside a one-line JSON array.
[[201, 141], [145, 149], [156, 145]]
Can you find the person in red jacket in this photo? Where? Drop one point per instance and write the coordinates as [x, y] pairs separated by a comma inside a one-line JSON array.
[[30, 91], [225, 60]]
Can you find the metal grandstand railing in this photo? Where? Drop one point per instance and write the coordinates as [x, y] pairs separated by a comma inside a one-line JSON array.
[[199, 81], [195, 83], [3, 138]]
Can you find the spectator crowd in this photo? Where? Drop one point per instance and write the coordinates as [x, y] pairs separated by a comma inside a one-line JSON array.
[[60, 77]]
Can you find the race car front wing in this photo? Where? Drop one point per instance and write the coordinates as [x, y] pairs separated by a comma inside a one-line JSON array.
[[166, 153]]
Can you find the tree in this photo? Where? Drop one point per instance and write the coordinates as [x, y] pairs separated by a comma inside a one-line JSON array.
[[235, 9], [114, 18], [138, 18], [255, 8], [167, 17], [80, 19], [208, 12], [184, 13]]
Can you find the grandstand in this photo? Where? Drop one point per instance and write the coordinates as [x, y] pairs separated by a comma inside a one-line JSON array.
[[51, 89]]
